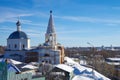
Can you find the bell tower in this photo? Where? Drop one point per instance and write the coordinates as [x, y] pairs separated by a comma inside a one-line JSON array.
[[50, 36]]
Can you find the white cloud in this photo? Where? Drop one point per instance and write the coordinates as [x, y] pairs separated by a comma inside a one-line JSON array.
[[116, 7], [89, 19], [32, 31], [6, 28], [11, 14], [33, 35], [112, 24], [77, 31]]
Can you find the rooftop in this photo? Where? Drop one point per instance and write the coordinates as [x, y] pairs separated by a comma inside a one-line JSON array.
[[18, 35]]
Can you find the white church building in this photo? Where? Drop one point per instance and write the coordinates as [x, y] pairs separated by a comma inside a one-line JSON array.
[[18, 46]]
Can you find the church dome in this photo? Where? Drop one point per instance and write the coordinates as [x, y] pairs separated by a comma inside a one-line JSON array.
[[18, 35]]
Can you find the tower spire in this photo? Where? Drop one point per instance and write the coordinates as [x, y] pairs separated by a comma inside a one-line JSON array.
[[50, 28], [50, 36], [50, 11], [18, 24]]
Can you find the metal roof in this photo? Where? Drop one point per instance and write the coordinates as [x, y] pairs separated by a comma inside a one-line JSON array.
[[18, 35], [50, 28]]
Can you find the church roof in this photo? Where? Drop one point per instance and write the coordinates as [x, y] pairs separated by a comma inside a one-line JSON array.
[[50, 28], [18, 35]]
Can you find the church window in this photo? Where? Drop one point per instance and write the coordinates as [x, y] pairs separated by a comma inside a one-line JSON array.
[[50, 35], [15, 46], [23, 46], [50, 38], [46, 55]]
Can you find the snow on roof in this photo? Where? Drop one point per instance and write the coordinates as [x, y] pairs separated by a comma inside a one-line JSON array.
[[113, 63], [12, 68], [15, 62], [75, 64], [114, 59], [65, 67], [10, 60], [84, 73], [29, 66], [16, 66], [88, 77], [79, 77], [69, 60], [34, 63]]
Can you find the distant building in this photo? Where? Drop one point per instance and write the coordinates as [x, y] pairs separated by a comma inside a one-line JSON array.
[[61, 72], [72, 70], [18, 46], [113, 61], [116, 63]]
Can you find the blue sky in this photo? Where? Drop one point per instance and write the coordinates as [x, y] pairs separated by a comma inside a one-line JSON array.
[[76, 21]]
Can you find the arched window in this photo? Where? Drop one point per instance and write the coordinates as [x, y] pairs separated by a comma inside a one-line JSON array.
[[23, 46], [46, 55], [15, 46], [50, 38]]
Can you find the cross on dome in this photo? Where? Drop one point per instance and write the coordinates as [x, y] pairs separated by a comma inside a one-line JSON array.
[[18, 24]]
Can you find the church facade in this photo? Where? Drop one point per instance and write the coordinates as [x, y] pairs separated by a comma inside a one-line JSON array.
[[18, 46]]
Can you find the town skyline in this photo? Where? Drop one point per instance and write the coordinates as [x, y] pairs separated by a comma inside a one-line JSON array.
[[76, 22]]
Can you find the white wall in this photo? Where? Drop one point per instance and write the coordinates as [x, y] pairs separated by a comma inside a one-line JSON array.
[[19, 43], [54, 56]]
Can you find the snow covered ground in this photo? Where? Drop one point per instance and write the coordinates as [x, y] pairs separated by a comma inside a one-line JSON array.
[[84, 73], [80, 72]]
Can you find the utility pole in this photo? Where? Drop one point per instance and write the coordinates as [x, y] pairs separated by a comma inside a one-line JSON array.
[[93, 50]]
